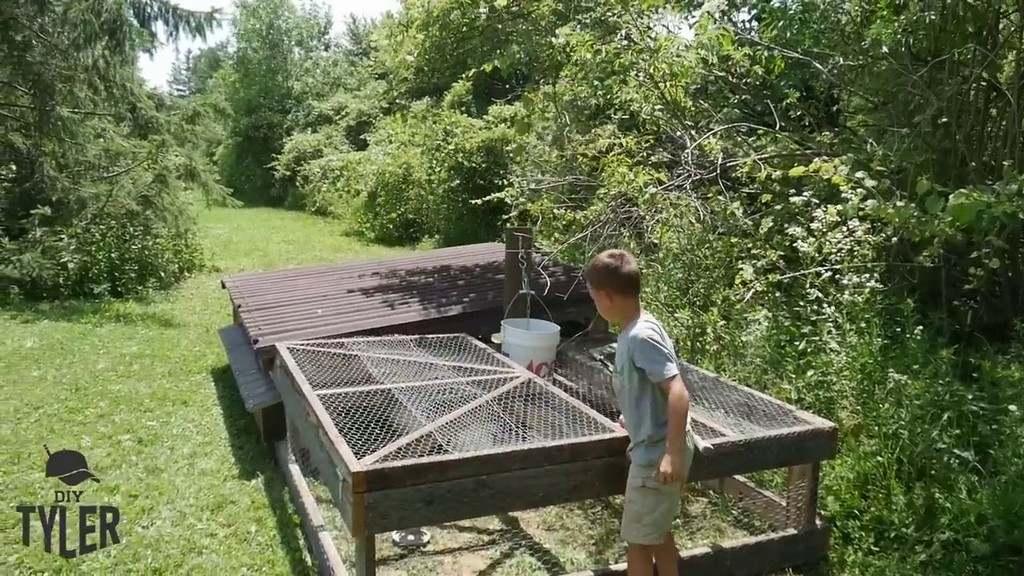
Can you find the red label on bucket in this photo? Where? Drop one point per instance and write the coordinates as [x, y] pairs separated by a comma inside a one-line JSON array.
[[542, 369]]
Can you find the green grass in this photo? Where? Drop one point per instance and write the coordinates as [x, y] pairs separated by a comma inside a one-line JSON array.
[[140, 388]]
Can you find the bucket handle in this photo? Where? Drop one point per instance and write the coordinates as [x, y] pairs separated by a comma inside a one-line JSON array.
[[529, 293]]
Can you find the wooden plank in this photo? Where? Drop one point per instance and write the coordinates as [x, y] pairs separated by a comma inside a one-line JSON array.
[[256, 389], [461, 380], [802, 495], [318, 535], [336, 447], [306, 434], [825, 441], [752, 556], [422, 360], [429, 428], [338, 487], [757, 455], [436, 503], [272, 424], [494, 461], [366, 555]]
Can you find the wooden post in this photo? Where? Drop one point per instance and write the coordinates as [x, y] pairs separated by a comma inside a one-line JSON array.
[[271, 419], [514, 239], [366, 555], [802, 496]]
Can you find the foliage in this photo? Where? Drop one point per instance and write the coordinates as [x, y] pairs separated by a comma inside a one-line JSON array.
[[825, 196], [272, 39], [87, 157]]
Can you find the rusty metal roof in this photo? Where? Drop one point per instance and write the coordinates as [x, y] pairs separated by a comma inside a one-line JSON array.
[[355, 296]]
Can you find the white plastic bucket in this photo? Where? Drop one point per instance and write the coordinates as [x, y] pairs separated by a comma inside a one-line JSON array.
[[531, 343]]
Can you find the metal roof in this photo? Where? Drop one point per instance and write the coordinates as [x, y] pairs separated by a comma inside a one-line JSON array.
[[355, 296]]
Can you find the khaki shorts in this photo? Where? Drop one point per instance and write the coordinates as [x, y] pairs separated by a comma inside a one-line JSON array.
[[650, 506]]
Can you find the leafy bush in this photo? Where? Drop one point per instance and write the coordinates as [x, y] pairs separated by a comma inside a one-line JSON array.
[[455, 164], [795, 272], [123, 256]]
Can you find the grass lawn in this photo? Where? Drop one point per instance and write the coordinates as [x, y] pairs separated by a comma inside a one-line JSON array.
[[140, 389]]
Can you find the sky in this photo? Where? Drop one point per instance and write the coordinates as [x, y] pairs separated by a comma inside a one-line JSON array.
[[157, 70]]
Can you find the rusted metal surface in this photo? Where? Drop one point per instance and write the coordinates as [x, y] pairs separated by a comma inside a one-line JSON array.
[[364, 296]]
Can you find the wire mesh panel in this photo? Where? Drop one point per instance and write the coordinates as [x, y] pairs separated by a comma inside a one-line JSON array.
[[722, 410], [400, 398]]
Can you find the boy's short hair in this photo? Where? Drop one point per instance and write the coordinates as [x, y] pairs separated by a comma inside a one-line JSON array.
[[614, 271]]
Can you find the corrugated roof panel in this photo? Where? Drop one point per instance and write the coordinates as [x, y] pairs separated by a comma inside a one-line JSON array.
[[355, 296]]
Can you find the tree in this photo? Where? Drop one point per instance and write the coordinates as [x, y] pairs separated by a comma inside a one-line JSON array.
[[85, 154], [180, 82]]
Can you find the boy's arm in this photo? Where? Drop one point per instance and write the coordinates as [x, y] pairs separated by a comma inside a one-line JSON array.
[[678, 412], [655, 357]]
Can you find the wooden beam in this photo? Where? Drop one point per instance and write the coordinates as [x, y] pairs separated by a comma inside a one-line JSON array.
[[306, 433], [366, 555], [422, 360], [460, 380], [752, 556], [802, 495], [271, 422], [325, 553], [437, 503], [758, 454], [494, 461], [429, 428], [516, 239]]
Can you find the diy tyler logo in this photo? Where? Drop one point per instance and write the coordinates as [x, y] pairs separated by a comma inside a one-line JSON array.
[[71, 468]]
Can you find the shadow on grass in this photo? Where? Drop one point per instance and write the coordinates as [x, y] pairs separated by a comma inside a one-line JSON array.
[[515, 532], [128, 313], [253, 459]]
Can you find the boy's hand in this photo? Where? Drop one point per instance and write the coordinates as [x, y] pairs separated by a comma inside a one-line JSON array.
[[671, 468]]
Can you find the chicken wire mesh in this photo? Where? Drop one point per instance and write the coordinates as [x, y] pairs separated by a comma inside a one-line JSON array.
[[406, 397], [722, 410], [556, 540]]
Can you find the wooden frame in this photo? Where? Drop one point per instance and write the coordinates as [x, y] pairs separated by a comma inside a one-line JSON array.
[[378, 497]]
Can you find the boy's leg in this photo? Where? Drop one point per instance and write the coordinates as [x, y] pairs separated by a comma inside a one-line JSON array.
[[666, 557], [647, 514]]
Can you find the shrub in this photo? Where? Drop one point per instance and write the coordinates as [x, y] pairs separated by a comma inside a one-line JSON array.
[[119, 257], [431, 174]]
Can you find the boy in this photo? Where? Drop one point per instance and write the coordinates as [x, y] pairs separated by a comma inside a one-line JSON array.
[[655, 409]]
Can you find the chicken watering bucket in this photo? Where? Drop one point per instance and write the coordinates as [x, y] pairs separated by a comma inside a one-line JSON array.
[[531, 343]]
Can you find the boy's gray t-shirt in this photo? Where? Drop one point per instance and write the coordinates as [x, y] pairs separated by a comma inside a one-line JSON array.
[[644, 357]]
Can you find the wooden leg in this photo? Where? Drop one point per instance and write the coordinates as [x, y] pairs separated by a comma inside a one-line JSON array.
[[272, 423], [802, 496], [366, 556]]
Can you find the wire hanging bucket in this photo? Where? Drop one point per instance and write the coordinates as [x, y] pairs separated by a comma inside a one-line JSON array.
[[530, 342]]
